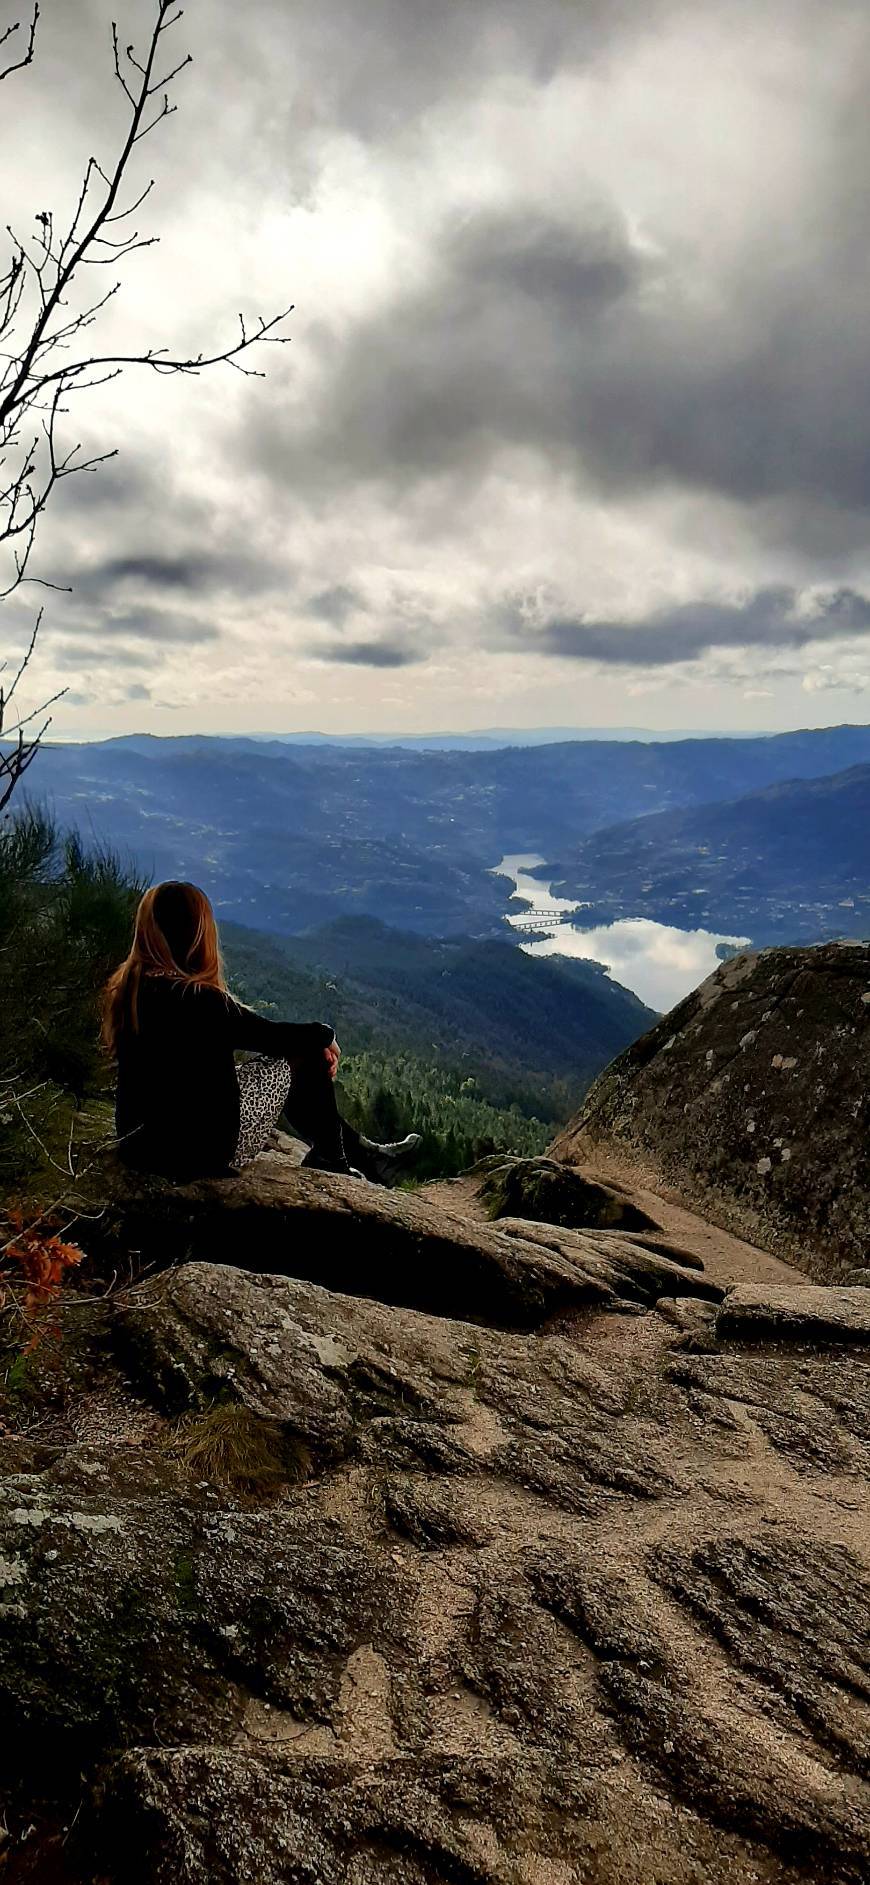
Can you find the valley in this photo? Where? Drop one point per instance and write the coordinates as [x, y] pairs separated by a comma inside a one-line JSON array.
[[673, 850], [486, 929]]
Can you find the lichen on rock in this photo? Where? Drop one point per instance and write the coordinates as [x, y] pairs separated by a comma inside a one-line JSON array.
[[764, 1127]]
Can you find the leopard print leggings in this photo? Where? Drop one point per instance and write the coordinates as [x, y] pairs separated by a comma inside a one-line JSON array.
[[264, 1085]]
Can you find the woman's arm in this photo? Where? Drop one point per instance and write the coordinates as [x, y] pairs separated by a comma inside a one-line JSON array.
[[281, 1040]]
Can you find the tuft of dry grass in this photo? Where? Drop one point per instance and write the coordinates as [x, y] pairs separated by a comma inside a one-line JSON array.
[[231, 1446]]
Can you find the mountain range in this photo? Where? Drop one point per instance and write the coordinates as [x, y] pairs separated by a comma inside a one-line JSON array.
[[287, 838]]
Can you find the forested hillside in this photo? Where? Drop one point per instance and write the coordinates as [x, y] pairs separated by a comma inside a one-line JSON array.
[[787, 864], [480, 1046]]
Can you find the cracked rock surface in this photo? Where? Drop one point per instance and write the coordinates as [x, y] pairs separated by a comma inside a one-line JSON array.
[[578, 1595]]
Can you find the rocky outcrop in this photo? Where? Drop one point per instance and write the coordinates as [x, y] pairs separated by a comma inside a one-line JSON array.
[[758, 1312], [360, 1239], [582, 1599], [752, 1101], [549, 1192]]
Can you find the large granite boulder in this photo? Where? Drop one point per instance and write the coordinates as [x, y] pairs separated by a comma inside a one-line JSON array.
[[752, 1101], [586, 1601]]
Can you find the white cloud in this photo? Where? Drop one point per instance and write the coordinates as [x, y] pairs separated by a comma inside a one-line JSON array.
[[828, 678], [580, 320]]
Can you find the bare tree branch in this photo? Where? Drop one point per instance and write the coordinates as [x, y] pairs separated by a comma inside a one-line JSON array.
[[27, 55], [43, 361], [15, 760]]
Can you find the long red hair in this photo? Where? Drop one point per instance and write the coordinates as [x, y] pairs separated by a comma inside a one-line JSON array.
[[175, 935]]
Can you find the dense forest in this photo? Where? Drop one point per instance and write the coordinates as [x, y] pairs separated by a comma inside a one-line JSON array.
[[387, 1097]]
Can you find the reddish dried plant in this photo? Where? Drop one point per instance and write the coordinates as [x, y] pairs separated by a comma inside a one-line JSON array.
[[35, 1262]]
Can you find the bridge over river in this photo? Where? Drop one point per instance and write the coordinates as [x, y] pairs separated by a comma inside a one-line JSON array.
[[659, 963], [543, 924]]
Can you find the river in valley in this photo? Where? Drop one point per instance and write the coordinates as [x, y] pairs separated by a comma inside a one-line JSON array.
[[660, 964]]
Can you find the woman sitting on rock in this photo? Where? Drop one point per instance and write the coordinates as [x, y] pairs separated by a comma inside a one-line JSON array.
[[183, 1106]]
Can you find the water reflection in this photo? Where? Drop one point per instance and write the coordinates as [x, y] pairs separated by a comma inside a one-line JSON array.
[[659, 963], [532, 889]]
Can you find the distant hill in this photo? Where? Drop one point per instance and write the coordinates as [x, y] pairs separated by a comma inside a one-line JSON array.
[[287, 837], [790, 863], [531, 1031], [484, 739]]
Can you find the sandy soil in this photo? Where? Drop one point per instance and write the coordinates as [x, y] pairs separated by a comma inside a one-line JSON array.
[[726, 1259]]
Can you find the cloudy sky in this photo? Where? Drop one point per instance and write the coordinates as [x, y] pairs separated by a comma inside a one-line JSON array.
[[574, 422]]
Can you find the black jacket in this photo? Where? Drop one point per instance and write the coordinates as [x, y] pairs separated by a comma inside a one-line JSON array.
[[177, 1103]]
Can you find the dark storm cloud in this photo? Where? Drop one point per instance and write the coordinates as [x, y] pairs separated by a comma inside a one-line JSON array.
[[569, 272], [156, 572], [568, 340], [372, 654], [489, 355], [375, 69], [769, 619], [194, 573], [127, 482]]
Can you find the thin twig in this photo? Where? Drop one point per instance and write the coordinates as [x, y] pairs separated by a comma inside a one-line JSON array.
[[42, 369], [27, 56]]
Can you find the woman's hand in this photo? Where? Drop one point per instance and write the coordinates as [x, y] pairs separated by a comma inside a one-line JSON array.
[[333, 1056]]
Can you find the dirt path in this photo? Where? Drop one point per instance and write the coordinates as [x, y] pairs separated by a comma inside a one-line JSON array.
[[726, 1259]]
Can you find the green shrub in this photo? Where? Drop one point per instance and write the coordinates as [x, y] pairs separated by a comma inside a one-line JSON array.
[[66, 914]]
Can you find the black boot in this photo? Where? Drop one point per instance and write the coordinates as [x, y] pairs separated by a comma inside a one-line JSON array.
[[382, 1163], [310, 1111], [315, 1161]]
